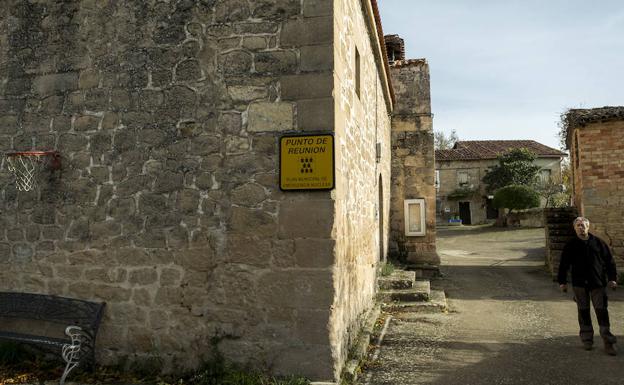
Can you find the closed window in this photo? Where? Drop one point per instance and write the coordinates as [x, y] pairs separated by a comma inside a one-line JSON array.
[[414, 217], [462, 178], [437, 179]]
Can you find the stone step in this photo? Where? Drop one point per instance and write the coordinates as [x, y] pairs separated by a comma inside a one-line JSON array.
[[436, 303], [418, 292], [399, 279], [424, 271]]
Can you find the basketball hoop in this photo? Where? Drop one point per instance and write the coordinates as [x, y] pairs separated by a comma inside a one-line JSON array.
[[26, 165]]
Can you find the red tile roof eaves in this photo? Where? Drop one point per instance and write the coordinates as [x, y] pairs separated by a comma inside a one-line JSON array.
[[490, 149], [382, 44]]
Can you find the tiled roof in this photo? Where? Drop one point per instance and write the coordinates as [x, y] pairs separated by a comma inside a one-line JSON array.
[[490, 149], [575, 118], [382, 44], [582, 117]]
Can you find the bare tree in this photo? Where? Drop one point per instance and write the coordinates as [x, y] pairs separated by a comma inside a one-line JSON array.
[[557, 191], [443, 142]]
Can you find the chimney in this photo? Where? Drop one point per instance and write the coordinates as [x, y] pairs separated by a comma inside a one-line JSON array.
[[395, 48]]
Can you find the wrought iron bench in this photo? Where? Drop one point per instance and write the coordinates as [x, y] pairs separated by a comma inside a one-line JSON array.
[[80, 320]]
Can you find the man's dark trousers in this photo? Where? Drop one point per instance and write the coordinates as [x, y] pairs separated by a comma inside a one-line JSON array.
[[598, 297]]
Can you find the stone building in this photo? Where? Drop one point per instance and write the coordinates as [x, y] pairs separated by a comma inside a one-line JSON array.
[[460, 170], [594, 139], [413, 171], [168, 118]]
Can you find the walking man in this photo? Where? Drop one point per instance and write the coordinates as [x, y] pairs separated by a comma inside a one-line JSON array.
[[593, 268]]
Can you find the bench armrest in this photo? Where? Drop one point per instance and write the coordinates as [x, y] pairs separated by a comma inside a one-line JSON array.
[[73, 352]]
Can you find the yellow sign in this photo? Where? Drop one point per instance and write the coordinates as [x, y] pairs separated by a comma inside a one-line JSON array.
[[307, 162]]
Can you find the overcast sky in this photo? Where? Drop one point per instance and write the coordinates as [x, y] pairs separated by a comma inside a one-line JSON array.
[[507, 69]]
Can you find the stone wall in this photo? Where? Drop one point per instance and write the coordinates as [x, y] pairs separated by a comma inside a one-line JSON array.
[[167, 206], [413, 168], [559, 230], [533, 217], [362, 218], [598, 180]]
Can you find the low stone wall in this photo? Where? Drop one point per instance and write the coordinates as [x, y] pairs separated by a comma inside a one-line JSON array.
[[526, 218], [558, 230]]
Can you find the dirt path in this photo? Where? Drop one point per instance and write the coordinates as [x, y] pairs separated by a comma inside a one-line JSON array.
[[508, 323]]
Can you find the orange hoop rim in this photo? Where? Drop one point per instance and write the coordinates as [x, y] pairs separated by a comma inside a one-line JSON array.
[[32, 153], [37, 154]]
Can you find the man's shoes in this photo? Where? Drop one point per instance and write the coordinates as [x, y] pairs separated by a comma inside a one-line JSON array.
[[610, 349], [588, 345]]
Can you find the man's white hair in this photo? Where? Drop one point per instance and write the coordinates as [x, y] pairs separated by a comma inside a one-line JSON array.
[[580, 219]]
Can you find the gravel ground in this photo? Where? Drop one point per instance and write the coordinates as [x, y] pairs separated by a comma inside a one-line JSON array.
[[508, 323]]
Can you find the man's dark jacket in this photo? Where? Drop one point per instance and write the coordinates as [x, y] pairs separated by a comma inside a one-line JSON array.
[[591, 262]]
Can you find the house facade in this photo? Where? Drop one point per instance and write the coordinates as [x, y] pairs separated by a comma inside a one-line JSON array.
[[460, 191], [594, 139], [170, 203]]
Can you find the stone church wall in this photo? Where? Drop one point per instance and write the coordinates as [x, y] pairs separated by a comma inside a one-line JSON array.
[[167, 117], [362, 193], [167, 206]]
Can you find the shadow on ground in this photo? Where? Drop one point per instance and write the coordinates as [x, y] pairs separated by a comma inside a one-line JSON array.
[[552, 361], [508, 321]]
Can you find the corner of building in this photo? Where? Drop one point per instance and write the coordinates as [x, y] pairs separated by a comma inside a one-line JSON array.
[[413, 165]]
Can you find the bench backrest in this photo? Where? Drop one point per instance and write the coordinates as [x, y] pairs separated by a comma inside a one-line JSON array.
[[51, 308]]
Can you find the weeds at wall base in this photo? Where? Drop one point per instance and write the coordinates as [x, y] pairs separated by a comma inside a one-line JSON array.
[[387, 269], [18, 366]]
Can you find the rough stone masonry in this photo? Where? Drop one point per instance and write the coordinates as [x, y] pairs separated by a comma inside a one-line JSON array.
[[167, 116]]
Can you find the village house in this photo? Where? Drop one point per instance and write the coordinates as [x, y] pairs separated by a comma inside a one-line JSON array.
[[594, 139], [178, 195], [460, 191]]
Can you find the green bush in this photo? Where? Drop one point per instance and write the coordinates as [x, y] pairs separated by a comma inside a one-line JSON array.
[[516, 197], [515, 167]]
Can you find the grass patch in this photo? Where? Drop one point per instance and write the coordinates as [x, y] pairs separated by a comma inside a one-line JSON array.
[[387, 269], [219, 372], [236, 377]]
